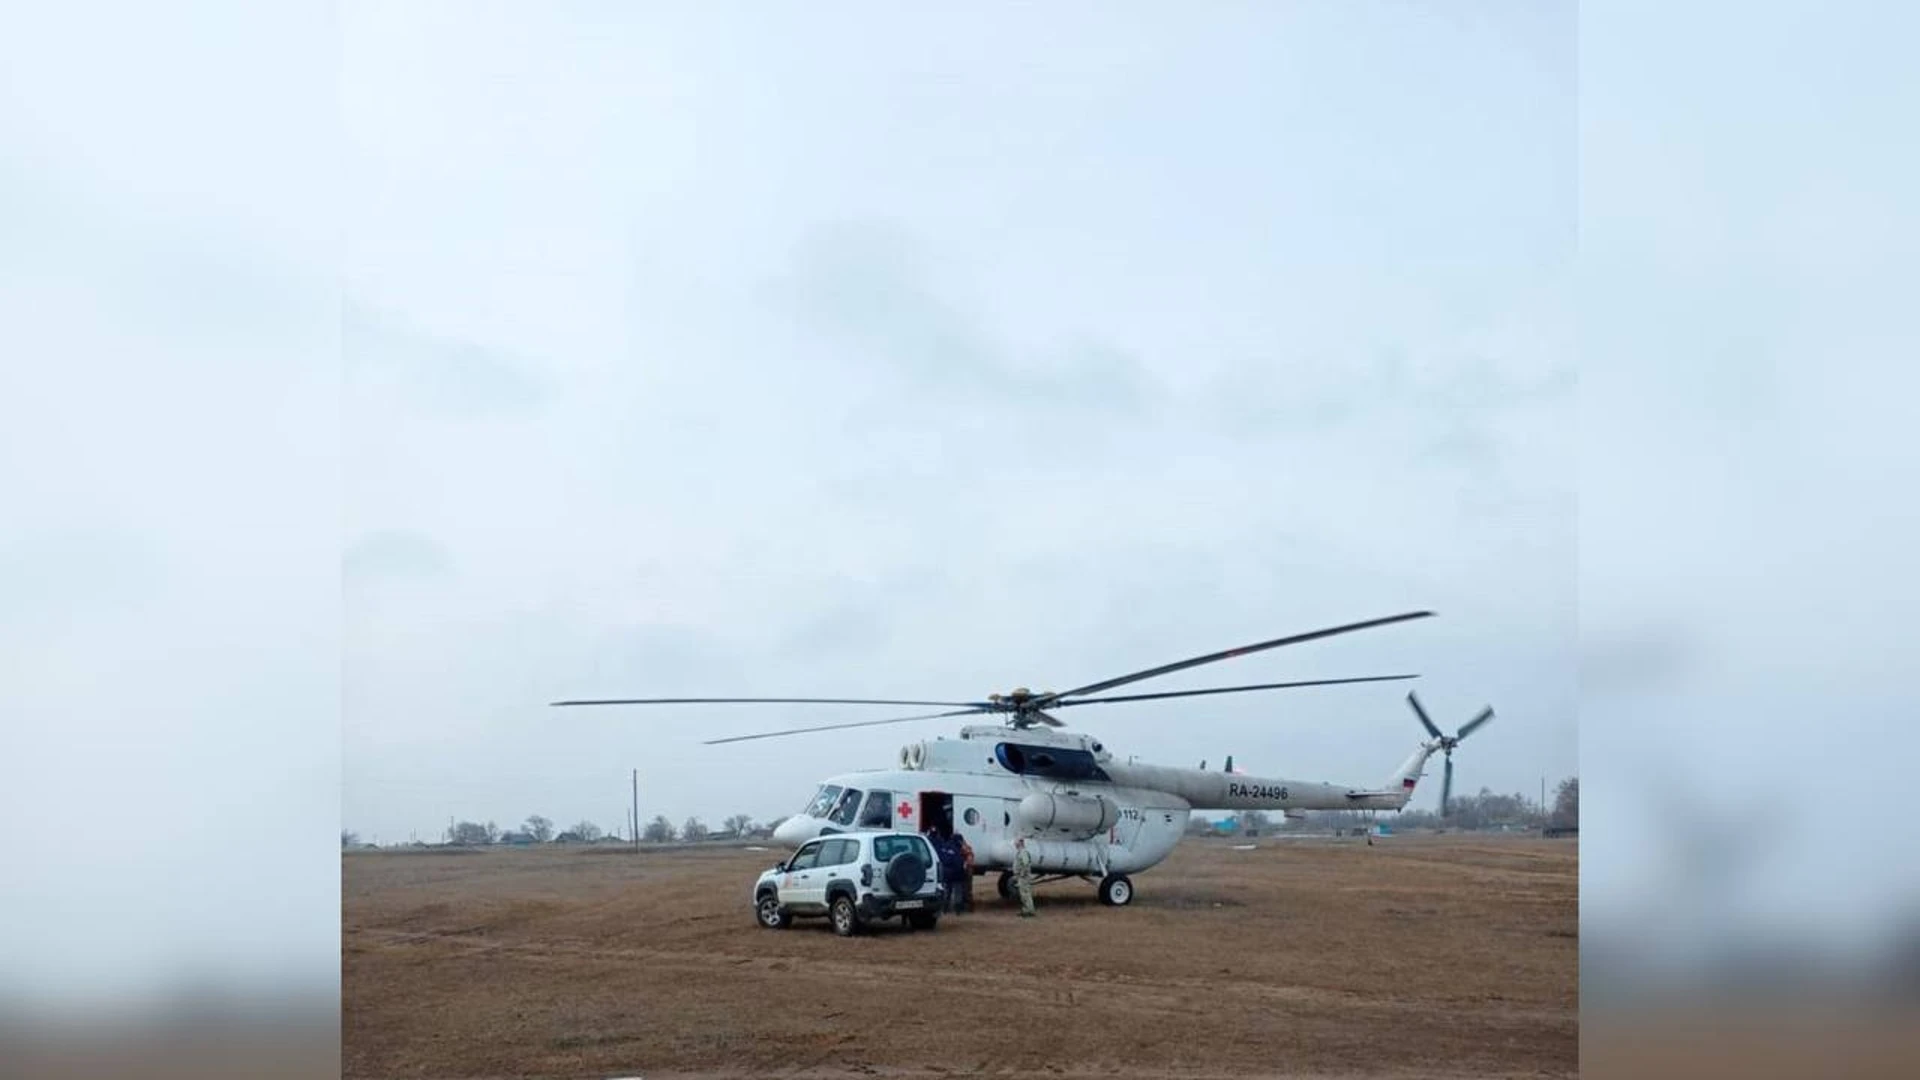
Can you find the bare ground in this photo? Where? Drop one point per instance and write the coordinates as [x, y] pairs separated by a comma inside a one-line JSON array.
[[1419, 956]]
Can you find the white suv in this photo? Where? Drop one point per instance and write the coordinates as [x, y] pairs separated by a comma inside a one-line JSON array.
[[853, 878]]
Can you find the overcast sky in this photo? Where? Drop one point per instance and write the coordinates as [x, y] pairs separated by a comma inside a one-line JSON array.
[[900, 354]]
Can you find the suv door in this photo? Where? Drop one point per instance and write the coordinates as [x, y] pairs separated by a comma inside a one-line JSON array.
[[803, 887], [838, 857]]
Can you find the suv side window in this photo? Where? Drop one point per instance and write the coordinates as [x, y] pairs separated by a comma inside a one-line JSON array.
[[839, 852], [807, 857]]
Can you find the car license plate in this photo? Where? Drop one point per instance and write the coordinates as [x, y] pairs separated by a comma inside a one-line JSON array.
[[904, 904]]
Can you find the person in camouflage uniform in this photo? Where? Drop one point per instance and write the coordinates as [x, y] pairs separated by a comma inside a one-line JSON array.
[[1023, 876]]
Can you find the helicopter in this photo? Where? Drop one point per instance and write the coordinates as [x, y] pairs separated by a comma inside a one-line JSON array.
[[1083, 813]]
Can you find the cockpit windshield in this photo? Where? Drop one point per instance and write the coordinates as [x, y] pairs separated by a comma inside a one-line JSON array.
[[822, 801], [844, 810]]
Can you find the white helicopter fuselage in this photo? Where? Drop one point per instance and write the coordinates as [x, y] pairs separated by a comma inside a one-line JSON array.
[[1080, 811]]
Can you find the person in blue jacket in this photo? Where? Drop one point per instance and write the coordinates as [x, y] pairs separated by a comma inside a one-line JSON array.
[[952, 868]]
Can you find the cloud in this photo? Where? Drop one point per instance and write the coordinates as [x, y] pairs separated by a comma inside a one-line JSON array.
[[869, 288], [69, 575], [395, 554], [384, 351]]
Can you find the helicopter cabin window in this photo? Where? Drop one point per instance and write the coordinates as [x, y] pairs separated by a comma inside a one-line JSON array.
[[843, 811], [972, 816], [878, 813], [823, 801]]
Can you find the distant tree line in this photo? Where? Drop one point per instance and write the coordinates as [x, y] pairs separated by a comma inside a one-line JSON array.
[[539, 830], [1484, 810]]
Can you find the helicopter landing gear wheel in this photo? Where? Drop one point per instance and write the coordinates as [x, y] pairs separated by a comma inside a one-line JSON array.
[[1006, 885], [1116, 890]]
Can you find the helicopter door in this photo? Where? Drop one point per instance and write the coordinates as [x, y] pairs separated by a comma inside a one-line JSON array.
[[936, 811]]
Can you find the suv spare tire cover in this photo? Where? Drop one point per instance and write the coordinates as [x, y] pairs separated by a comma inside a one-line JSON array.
[[906, 873]]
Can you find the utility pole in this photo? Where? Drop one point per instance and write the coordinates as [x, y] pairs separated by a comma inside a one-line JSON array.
[[636, 809], [1543, 798]]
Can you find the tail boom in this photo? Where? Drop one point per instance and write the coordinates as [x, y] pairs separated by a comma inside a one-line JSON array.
[[1237, 791]]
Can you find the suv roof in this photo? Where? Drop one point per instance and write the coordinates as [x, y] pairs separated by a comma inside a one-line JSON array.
[[854, 833]]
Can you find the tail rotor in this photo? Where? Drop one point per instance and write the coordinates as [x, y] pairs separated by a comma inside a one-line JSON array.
[[1446, 743]]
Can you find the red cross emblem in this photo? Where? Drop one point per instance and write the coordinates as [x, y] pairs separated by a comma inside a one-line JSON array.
[[905, 809]]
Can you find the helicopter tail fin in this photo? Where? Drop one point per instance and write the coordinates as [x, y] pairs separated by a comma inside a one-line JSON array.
[[1407, 776], [1397, 792]]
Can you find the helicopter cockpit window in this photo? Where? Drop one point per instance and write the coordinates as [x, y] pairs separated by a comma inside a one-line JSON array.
[[822, 801], [843, 810], [878, 813]]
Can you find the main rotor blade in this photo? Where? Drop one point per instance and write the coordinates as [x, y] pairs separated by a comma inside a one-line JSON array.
[[1228, 654], [1228, 690], [1446, 788], [836, 727], [1422, 714], [1486, 714], [767, 701]]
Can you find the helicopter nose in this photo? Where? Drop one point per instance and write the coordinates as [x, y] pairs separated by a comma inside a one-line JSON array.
[[796, 830]]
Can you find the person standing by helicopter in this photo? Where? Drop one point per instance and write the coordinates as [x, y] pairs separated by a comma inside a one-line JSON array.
[[946, 858], [966, 871], [1023, 876]]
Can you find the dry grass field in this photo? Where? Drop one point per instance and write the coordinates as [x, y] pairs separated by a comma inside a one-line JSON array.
[[1419, 956]]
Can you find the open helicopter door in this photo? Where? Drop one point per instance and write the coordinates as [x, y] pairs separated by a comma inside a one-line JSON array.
[[936, 811]]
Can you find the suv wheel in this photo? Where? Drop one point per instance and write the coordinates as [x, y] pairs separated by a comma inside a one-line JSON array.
[[770, 914], [846, 921]]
